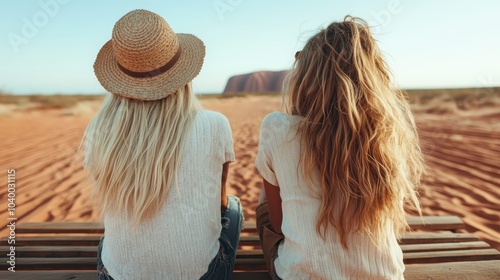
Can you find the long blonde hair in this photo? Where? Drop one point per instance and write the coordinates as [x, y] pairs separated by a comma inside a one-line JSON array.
[[134, 149], [358, 135]]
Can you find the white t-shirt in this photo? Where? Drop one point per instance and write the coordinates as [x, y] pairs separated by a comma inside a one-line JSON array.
[[182, 239], [303, 254]]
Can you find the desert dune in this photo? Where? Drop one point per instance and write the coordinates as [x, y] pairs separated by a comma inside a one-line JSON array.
[[462, 150]]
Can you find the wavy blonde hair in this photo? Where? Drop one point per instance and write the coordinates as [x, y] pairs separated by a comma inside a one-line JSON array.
[[358, 136], [134, 149]]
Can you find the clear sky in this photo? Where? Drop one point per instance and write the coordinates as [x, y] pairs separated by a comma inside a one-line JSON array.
[[49, 46]]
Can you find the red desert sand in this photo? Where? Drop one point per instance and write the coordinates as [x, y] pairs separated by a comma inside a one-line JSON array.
[[462, 151]]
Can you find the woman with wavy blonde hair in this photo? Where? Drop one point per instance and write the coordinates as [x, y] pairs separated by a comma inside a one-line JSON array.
[[339, 165], [158, 161]]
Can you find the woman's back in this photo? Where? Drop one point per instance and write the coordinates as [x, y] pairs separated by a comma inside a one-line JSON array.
[[157, 161], [340, 165], [187, 227], [303, 253]]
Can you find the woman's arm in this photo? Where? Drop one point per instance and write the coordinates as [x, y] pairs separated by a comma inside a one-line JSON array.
[[274, 203], [223, 197]]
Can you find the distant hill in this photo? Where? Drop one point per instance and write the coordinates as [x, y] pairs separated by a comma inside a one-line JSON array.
[[261, 81]]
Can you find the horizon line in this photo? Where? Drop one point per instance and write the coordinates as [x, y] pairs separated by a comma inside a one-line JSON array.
[[215, 93]]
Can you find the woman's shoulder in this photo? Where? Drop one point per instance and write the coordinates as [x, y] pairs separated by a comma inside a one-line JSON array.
[[211, 116], [278, 121]]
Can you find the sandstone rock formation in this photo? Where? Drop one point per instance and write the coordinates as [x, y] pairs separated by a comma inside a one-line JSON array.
[[262, 81]]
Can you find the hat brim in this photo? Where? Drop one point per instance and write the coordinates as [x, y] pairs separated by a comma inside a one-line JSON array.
[[151, 88]]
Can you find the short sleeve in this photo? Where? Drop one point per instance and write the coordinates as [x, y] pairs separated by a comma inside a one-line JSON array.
[[227, 141], [264, 160]]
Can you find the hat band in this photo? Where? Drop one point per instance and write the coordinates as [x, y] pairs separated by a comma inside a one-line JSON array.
[[155, 72]]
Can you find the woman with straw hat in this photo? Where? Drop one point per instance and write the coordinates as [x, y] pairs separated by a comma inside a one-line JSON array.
[[158, 161]]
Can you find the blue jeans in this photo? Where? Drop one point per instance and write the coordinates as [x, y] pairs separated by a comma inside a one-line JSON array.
[[221, 267]]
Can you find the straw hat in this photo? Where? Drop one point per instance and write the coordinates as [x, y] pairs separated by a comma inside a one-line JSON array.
[[145, 59]]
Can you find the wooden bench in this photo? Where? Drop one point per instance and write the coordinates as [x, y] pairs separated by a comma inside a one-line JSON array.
[[484, 270], [72, 246]]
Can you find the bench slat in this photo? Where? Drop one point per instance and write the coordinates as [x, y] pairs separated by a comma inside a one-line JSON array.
[[53, 251], [444, 246], [91, 275], [254, 262], [86, 257], [421, 238], [476, 270], [451, 256], [245, 240], [416, 257], [52, 264], [49, 275], [480, 270], [435, 223], [91, 264], [415, 223], [40, 240], [60, 227], [89, 240], [91, 251]]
